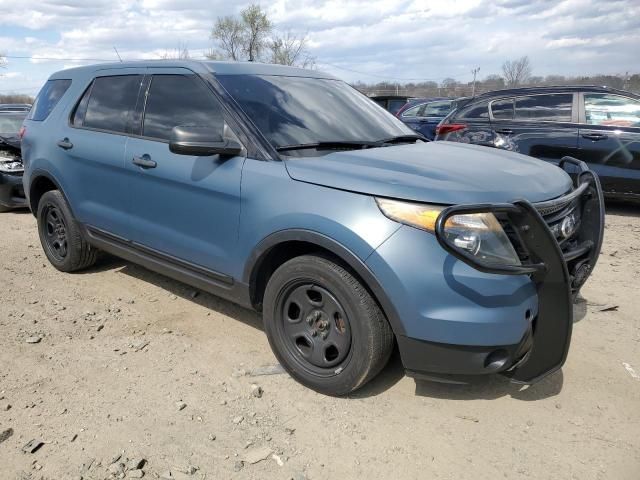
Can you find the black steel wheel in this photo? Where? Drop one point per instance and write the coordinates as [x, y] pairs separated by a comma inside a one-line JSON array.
[[55, 232], [314, 326], [60, 235], [324, 326]]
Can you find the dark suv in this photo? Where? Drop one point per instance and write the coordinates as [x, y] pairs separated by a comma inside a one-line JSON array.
[[287, 191], [598, 125]]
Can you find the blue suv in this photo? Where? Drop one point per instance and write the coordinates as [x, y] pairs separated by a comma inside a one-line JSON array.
[[287, 191]]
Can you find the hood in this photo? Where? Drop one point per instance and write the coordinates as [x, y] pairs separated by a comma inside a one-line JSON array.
[[11, 140], [435, 172]]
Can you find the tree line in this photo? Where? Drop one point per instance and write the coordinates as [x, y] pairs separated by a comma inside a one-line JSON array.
[[515, 73]]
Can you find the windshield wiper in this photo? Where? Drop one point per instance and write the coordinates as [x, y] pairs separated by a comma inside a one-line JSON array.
[[401, 139], [328, 145]]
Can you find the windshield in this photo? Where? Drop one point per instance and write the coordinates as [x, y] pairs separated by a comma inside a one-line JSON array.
[[10, 124], [301, 110]]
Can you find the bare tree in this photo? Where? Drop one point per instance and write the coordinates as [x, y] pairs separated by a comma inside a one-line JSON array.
[[180, 53], [516, 72], [257, 27], [289, 49], [231, 35]]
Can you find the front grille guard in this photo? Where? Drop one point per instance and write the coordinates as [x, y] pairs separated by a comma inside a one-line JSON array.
[[557, 275]]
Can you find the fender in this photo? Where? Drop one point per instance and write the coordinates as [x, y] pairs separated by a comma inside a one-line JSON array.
[[37, 173], [260, 251]]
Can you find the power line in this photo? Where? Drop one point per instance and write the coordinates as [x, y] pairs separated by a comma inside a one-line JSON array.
[[29, 57]]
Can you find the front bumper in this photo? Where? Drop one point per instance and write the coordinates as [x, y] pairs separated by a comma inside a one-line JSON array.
[[12, 191], [557, 274], [514, 320]]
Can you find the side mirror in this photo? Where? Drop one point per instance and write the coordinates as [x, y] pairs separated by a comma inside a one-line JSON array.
[[202, 141]]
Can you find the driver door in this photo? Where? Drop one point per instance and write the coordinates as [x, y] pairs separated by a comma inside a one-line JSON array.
[[184, 208]]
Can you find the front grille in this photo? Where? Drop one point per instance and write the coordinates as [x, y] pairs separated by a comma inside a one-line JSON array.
[[554, 213]]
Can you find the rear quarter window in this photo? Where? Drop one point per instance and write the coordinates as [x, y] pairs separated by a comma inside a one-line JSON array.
[[48, 98]]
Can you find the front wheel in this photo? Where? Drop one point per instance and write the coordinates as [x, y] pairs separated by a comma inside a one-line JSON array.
[[324, 326]]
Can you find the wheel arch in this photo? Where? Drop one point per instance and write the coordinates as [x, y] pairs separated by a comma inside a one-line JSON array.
[[284, 245], [41, 183]]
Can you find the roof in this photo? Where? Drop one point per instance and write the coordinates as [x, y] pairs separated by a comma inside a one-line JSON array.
[[550, 89], [220, 68]]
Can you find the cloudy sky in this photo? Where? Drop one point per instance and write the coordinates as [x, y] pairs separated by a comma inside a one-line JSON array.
[[368, 40]]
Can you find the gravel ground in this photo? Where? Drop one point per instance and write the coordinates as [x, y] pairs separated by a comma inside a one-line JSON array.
[[118, 371]]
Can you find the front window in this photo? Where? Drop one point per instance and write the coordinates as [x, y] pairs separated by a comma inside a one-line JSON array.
[[301, 110], [612, 110], [175, 100]]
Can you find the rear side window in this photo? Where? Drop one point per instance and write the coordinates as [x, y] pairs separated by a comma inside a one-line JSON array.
[[437, 109], [544, 108], [48, 98], [502, 109], [176, 100], [108, 103], [478, 111], [413, 111], [612, 110]]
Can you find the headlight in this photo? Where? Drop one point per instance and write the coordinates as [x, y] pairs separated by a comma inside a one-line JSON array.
[[11, 167], [477, 234]]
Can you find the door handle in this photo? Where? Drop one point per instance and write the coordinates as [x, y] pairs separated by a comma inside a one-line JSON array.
[[594, 136], [65, 144], [144, 161], [505, 131]]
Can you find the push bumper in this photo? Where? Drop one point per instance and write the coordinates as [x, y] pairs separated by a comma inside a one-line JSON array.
[[12, 191], [557, 273]]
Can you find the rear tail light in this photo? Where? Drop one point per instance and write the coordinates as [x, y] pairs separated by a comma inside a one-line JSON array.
[[22, 132], [449, 128]]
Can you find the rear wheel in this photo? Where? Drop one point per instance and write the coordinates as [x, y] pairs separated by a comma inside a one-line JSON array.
[[324, 326], [60, 235]]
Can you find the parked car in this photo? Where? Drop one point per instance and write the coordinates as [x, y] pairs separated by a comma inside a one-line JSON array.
[[287, 191], [391, 103], [11, 191], [598, 125], [424, 117], [14, 107]]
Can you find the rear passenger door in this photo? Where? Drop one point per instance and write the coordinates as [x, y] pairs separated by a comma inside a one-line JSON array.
[[610, 140], [544, 126], [93, 150], [185, 208]]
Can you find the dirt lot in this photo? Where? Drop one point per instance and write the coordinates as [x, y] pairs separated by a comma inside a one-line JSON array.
[[130, 361]]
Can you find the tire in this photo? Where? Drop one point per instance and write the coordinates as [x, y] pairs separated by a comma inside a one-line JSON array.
[[60, 235], [4, 209], [353, 340]]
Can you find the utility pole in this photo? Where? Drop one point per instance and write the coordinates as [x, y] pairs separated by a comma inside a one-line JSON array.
[[475, 72]]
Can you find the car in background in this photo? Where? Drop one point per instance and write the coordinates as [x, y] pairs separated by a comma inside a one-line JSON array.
[[15, 107], [424, 116], [598, 125], [391, 103], [11, 168]]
